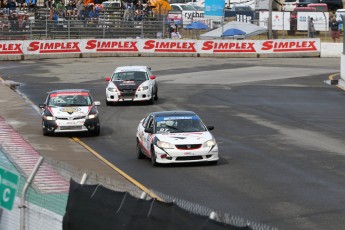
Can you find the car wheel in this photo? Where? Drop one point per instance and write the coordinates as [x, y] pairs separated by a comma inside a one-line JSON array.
[[213, 162], [150, 102], [45, 132], [96, 132], [156, 95], [153, 157], [107, 102], [140, 154]]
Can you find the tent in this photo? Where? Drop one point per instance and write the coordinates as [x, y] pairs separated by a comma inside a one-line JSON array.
[[233, 32], [196, 26], [160, 7], [248, 28]]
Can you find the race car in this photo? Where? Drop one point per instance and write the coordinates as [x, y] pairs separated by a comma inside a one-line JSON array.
[[175, 137], [70, 110], [131, 83]]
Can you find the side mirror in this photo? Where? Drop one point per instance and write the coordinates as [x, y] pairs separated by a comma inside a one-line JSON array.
[[97, 103], [42, 106], [148, 130], [107, 79], [152, 77], [210, 127]]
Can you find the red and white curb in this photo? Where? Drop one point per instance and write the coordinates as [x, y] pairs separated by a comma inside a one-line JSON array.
[[24, 156]]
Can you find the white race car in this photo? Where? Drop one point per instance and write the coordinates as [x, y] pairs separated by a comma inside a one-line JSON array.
[[175, 137], [131, 83], [70, 110]]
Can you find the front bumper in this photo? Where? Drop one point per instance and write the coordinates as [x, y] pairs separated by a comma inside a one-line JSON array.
[[63, 126], [167, 156], [137, 96]]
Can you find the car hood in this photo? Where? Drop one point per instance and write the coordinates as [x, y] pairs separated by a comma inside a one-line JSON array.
[[185, 138], [74, 111], [126, 85]]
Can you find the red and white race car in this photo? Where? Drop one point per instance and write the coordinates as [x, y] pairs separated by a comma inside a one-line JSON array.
[[70, 110], [175, 137]]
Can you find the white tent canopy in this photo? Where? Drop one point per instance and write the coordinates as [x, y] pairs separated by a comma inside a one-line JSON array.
[[248, 28]]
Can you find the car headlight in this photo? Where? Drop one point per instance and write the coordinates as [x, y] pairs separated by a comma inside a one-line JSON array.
[[209, 143], [113, 90], [91, 116], [143, 88], [49, 118], [164, 145]]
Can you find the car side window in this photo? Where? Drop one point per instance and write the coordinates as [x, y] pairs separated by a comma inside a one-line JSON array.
[[150, 123]]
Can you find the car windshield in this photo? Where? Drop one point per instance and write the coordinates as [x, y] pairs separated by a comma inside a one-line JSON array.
[[130, 76], [187, 7], [65, 100], [179, 124]]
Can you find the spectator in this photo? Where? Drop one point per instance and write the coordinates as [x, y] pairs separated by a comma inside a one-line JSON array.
[[148, 10], [12, 6], [13, 21], [5, 23], [311, 27], [83, 15], [138, 15], [334, 25], [48, 3], [61, 9], [31, 4], [127, 15], [94, 14], [139, 6], [21, 4], [5, 9], [176, 35], [70, 8]]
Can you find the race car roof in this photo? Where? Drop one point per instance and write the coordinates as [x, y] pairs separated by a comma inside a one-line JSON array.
[[172, 113], [131, 68], [69, 90]]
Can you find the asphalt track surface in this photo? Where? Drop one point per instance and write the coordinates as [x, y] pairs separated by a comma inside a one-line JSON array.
[[280, 130]]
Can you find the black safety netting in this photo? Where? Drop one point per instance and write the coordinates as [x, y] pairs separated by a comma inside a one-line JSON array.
[[94, 207]]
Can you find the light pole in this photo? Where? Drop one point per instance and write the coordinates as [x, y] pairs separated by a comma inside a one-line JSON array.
[[270, 2]]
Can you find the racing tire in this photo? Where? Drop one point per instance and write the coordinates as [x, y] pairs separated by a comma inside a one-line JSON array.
[[140, 154], [212, 162], [150, 102], [153, 157], [156, 95], [45, 132], [96, 132]]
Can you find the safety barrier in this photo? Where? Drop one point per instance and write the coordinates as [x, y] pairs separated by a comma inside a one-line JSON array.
[[40, 49]]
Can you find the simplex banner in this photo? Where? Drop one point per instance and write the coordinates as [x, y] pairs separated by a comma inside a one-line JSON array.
[[156, 46]]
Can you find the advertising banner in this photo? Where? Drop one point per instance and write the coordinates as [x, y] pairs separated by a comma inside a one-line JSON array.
[[280, 20], [159, 46], [11, 47], [214, 8], [321, 20]]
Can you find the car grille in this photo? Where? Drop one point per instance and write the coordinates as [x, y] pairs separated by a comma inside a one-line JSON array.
[[70, 118], [128, 92], [188, 147], [189, 158], [71, 127]]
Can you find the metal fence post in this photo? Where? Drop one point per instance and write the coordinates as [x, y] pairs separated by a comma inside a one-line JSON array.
[[25, 189], [46, 24], [343, 19]]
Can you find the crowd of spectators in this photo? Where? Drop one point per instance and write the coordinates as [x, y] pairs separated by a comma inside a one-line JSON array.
[[15, 14]]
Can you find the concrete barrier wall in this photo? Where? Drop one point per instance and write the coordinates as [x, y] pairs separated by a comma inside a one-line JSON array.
[[331, 50]]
